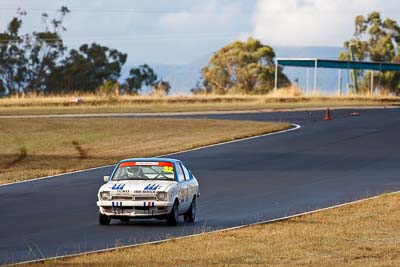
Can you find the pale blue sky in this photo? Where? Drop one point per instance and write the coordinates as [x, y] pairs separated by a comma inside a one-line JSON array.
[[179, 31]]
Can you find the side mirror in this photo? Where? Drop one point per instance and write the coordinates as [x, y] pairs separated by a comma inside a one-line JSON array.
[[106, 178]]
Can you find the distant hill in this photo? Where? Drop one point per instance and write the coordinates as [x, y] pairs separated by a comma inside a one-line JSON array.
[[184, 77]]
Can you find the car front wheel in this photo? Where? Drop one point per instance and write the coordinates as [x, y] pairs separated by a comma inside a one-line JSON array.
[[104, 219], [190, 215], [173, 216]]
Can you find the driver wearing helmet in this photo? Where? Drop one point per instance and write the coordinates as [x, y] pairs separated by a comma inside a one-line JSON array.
[[135, 172]]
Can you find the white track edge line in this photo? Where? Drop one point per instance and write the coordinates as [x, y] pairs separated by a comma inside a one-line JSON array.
[[206, 233], [296, 127]]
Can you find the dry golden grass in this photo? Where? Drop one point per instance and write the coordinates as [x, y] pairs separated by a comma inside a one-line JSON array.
[[39, 147], [282, 99], [362, 234]]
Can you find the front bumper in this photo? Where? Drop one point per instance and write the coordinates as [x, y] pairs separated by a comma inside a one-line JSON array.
[[142, 209]]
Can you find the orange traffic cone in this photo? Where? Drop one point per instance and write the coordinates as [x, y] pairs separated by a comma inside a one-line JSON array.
[[328, 116]]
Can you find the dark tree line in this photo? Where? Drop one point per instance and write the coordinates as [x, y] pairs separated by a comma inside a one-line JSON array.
[[40, 63], [85, 69]]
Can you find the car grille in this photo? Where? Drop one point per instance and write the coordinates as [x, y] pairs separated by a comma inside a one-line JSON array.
[[137, 198], [121, 198], [144, 198]]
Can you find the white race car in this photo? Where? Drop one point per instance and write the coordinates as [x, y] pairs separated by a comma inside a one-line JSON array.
[[140, 188]]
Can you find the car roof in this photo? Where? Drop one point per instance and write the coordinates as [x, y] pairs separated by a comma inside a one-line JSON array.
[[151, 159]]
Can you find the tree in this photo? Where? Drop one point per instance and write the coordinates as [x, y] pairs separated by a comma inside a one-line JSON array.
[[161, 88], [143, 75], [377, 40], [86, 69], [45, 49], [242, 67], [26, 61], [38, 62], [12, 57], [200, 88]]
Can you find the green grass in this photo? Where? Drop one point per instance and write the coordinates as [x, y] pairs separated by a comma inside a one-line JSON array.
[[33, 148]]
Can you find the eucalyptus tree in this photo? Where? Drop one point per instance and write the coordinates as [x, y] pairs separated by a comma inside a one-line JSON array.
[[87, 68], [44, 50], [242, 67], [376, 39], [12, 57], [27, 60], [139, 77]]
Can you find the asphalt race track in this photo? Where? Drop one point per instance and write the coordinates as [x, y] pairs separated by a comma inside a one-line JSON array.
[[322, 164]]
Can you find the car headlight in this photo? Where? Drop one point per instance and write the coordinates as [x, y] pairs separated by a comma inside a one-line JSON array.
[[162, 196], [105, 195]]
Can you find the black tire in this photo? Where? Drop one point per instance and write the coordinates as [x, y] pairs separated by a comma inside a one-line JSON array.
[[104, 219], [173, 216], [190, 215]]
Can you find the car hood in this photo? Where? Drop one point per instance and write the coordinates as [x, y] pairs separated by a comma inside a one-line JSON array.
[[141, 186]]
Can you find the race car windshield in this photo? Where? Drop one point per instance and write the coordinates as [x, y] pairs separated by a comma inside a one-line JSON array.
[[135, 171]]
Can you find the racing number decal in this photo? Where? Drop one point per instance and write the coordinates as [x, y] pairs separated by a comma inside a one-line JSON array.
[[168, 169]]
